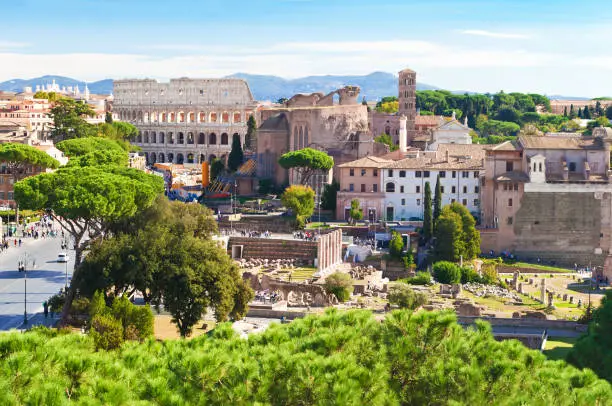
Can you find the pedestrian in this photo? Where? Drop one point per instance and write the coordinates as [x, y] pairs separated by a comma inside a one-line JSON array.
[[46, 309], [15, 242], [20, 242]]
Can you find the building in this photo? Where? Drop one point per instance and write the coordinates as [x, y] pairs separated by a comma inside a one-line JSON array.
[[136, 161], [335, 123], [185, 121], [450, 132], [549, 198], [402, 175]]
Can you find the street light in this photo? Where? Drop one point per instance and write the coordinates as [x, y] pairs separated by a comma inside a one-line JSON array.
[[22, 266]]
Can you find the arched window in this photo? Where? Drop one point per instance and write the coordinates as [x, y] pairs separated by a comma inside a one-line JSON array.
[[170, 138], [189, 138], [390, 187], [153, 138], [236, 118], [162, 138], [212, 139], [189, 158], [201, 139], [180, 159], [170, 157], [181, 138], [139, 138], [202, 158], [225, 117], [161, 158], [191, 118], [202, 118], [172, 118], [181, 116], [213, 117], [224, 139], [153, 160], [164, 117], [146, 137], [388, 130]]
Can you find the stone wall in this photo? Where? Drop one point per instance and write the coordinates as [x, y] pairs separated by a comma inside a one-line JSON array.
[[562, 227], [269, 248], [274, 224]]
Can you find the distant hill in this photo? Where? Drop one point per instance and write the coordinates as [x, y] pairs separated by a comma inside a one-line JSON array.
[[16, 85], [373, 86], [264, 87]]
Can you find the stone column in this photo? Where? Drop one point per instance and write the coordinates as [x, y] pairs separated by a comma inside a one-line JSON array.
[[543, 290]]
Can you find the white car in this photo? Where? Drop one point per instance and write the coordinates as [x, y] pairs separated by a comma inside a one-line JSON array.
[[62, 257]]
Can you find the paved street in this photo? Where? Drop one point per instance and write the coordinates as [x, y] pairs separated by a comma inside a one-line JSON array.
[[44, 279]]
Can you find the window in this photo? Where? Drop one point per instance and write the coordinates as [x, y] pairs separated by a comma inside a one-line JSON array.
[[1, 195], [441, 189], [509, 166], [443, 174], [402, 174], [418, 174], [572, 167], [351, 172], [465, 174], [403, 202], [10, 195], [454, 174], [418, 189], [390, 187], [401, 189], [476, 189], [453, 189], [505, 186], [375, 172], [390, 172], [363, 188], [509, 202], [509, 221], [351, 187], [465, 189], [476, 202], [426, 174], [375, 187], [464, 202], [452, 200], [516, 187], [540, 166], [418, 202], [363, 172]]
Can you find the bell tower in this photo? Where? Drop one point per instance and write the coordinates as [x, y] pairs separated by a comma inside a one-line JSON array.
[[407, 100]]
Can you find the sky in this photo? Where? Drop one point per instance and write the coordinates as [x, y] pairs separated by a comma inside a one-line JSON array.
[[554, 47]]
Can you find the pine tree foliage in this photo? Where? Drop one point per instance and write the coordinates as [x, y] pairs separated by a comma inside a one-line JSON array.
[[340, 358]]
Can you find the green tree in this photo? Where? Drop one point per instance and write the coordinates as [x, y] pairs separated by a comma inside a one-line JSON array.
[[300, 199], [100, 158], [437, 205], [609, 112], [97, 305], [106, 332], [329, 196], [81, 146], [456, 234], [355, 213], [396, 245], [85, 201], [572, 112], [565, 112], [447, 272], [387, 140], [427, 214], [137, 321], [236, 156], [69, 119], [403, 296], [586, 113], [216, 168], [306, 162], [599, 109], [580, 113], [340, 285], [594, 349], [250, 139], [108, 117]]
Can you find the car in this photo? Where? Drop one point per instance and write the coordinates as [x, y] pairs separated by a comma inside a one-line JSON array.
[[62, 257]]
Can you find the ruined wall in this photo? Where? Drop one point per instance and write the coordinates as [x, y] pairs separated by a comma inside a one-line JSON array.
[[268, 248], [563, 227]]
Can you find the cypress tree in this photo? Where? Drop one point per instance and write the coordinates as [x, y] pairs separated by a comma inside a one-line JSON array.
[[427, 217], [572, 112], [579, 112], [236, 156], [437, 207], [586, 113], [250, 139], [565, 111]]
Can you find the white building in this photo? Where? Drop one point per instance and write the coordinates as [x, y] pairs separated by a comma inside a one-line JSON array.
[[460, 168], [451, 132]]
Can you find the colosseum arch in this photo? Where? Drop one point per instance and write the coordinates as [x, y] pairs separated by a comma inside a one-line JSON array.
[[224, 139], [181, 117], [202, 117], [306, 140], [139, 138], [190, 158], [170, 138], [201, 139], [191, 117], [202, 158], [161, 157], [153, 138], [225, 117], [181, 138], [162, 138], [212, 139], [180, 159], [146, 137], [301, 138], [190, 138], [153, 157], [213, 117], [237, 117], [170, 157]]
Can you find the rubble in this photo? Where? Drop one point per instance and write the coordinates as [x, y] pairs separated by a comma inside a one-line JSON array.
[[481, 290]]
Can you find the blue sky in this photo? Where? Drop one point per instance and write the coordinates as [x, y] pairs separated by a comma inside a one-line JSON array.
[[547, 46]]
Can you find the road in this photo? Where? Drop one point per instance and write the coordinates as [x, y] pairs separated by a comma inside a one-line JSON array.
[[44, 279]]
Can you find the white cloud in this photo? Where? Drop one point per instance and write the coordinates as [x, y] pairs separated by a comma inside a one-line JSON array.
[[491, 34], [12, 44]]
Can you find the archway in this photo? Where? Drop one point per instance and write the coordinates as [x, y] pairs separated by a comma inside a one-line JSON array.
[[224, 139], [153, 158], [181, 138], [212, 139], [146, 137], [201, 139], [170, 157], [146, 157], [161, 157], [190, 158], [180, 159], [170, 138], [153, 138], [202, 158], [162, 138]]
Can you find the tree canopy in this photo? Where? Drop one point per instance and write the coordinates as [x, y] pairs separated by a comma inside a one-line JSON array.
[[18, 156], [250, 139], [347, 358], [300, 199], [387, 140], [99, 158], [236, 156], [306, 162], [355, 213], [456, 234], [81, 146], [69, 119]]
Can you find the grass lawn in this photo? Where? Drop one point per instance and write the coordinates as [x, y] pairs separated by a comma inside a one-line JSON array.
[[557, 348], [164, 329], [546, 268]]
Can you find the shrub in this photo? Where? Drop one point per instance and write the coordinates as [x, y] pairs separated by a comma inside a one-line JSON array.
[[340, 285], [56, 302], [447, 272], [421, 278], [80, 306], [97, 305], [137, 321], [396, 245], [402, 295], [408, 259], [107, 332], [468, 275]]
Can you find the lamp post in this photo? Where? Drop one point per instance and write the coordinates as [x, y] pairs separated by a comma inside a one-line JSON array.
[[23, 266]]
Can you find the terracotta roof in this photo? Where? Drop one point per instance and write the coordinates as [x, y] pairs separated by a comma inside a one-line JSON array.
[[505, 146], [433, 121], [514, 176], [476, 151], [367, 162], [558, 142], [437, 163]]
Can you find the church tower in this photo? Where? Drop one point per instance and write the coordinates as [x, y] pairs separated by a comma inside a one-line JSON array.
[[407, 100]]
